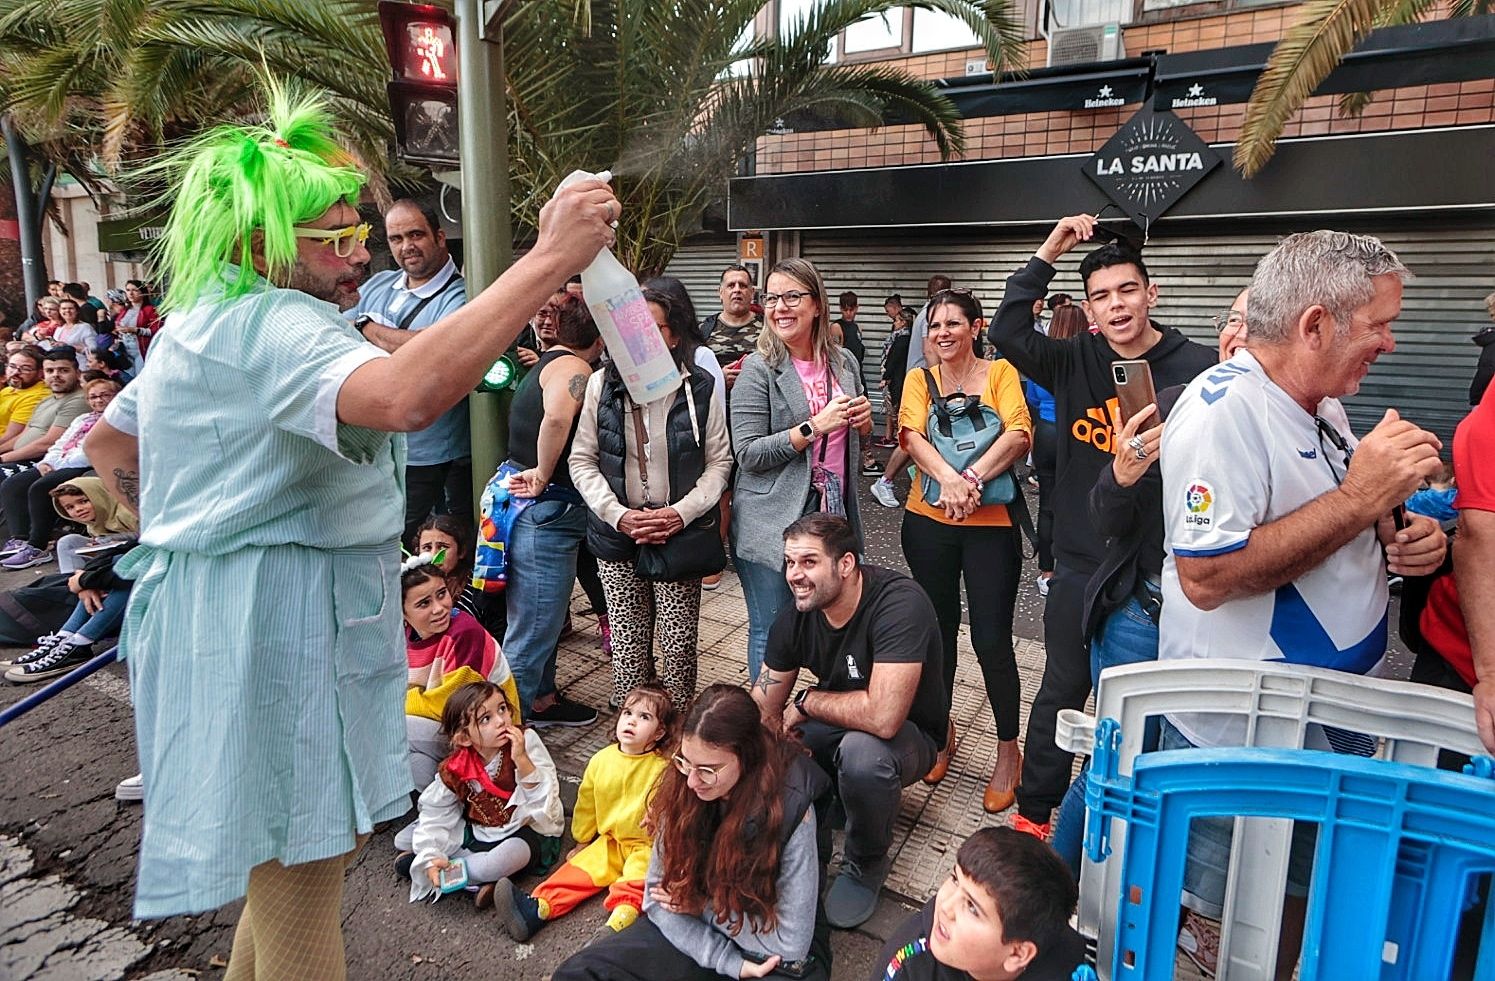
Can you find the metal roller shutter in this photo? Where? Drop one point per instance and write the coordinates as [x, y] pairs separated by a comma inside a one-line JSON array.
[[699, 265], [1426, 378]]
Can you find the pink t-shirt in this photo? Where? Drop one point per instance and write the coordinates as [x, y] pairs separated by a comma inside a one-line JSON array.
[[812, 378]]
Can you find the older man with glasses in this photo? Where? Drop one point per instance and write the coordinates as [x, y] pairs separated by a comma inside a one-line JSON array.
[[1280, 526]]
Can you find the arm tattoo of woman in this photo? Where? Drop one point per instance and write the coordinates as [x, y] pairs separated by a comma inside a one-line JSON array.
[[128, 482]]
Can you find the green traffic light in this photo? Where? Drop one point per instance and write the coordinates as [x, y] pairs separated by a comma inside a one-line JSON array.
[[501, 376]]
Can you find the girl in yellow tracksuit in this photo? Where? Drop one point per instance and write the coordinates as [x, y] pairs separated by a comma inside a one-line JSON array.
[[612, 848]]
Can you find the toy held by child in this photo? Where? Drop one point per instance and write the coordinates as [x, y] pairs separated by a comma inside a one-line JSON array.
[[612, 847], [495, 803]]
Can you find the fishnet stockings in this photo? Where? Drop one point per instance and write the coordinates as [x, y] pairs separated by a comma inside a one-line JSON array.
[[291, 927]]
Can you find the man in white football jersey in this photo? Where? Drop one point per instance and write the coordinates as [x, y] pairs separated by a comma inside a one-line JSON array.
[[1279, 525]]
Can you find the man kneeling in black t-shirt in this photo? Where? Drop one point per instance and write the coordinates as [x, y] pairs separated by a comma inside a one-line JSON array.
[[1003, 913], [878, 712]]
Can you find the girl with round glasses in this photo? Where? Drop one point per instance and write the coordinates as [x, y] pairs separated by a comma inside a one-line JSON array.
[[733, 886]]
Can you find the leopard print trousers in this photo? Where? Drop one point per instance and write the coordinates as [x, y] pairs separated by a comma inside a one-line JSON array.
[[642, 613]]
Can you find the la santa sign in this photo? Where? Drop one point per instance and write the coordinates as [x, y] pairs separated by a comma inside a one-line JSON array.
[[1153, 160]]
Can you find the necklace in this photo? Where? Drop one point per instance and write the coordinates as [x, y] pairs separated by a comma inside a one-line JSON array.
[[964, 376]]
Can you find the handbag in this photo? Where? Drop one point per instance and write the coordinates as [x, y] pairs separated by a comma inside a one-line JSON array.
[[962, 428], [692, 552]]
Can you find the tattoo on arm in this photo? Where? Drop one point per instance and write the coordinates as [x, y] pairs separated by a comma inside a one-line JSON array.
[[577, 387], [128, 482], [766, 681]]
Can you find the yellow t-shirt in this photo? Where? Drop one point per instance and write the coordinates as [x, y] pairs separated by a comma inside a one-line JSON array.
[[1004, 393], [17, 404]]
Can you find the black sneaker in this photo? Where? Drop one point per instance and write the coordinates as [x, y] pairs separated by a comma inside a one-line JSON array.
[[44, 646], [563, 712], [517, 910], [58, 661]]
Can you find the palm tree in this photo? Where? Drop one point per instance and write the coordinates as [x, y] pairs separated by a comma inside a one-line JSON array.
[[647, 89], [1327, 31]]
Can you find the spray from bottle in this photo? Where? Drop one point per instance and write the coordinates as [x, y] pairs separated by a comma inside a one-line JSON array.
[[628, 329]]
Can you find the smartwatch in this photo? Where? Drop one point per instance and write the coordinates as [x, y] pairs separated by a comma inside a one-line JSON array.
[[807, 429], [361, 323], [799, 700]]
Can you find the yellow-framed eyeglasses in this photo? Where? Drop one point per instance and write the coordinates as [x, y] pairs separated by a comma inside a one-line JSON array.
[[343, 240]]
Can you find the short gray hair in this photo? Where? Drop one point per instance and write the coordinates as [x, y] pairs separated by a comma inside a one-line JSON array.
[[1326, 268]]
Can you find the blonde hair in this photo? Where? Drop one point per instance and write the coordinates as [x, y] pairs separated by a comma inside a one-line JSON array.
[[822, 344]]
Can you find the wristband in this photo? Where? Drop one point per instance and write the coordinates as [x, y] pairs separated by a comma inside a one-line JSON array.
[[970, 475]]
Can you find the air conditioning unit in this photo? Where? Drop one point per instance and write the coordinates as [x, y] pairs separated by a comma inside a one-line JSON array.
[[1086, 45]]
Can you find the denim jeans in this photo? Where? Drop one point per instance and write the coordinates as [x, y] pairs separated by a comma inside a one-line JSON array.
[[542, 568], [105, 623], [766, 592], [1126, 636]]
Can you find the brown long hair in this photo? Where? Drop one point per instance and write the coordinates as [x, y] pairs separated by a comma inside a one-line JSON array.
[[1069, 321], [710, 852], [824, 345]]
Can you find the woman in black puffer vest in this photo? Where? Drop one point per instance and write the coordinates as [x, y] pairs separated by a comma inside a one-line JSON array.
[[650, 499]]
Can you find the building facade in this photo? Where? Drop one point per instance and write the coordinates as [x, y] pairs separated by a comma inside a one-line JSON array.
[[879, 212]]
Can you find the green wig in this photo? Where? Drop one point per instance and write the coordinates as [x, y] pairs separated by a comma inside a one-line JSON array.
[[236, 180]]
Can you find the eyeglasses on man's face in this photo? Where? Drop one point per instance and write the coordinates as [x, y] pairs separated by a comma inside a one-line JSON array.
[[1228, 318], [343, 240]]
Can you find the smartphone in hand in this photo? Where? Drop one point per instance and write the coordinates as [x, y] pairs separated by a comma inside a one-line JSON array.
[[1134, 391]]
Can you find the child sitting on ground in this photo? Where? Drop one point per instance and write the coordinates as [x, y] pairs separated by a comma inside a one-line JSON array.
[[445, 648], [1003, 913], [495, 803], [456, 537], [612, 848]]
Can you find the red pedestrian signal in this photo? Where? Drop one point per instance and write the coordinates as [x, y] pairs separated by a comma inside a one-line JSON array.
[[421, 41]]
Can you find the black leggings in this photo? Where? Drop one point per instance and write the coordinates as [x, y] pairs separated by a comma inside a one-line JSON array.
[[642, 953], [989, 557], [1045, 452], [27, 500]]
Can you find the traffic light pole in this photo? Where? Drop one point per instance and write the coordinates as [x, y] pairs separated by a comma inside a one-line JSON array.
[[487, 239]]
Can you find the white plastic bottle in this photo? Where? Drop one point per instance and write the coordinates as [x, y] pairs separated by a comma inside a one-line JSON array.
[[628, 329]]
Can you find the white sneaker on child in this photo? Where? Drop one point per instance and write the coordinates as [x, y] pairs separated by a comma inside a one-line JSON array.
[[130, 789]]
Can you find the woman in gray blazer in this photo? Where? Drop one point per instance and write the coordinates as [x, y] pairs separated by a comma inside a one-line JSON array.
[[799, 413]]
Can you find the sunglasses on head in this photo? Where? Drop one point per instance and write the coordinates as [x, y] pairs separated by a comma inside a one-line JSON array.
[[1104, 235]]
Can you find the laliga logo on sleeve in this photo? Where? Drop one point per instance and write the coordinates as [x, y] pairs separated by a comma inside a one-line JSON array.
[[1199, 498]]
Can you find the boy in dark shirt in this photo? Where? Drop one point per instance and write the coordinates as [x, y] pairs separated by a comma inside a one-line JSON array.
[[1003, 913]]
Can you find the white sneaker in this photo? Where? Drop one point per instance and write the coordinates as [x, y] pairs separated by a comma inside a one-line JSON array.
[[1043, 586], [882, 490], [130, 789]]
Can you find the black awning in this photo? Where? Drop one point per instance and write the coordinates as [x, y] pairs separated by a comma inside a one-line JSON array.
[[1107, 85], [1459, 49], [1340, 175]]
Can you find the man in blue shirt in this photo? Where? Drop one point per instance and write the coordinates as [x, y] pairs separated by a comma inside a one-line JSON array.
[[396, 303]]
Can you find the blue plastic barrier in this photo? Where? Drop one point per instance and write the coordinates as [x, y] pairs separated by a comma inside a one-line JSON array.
[[1399, 849]]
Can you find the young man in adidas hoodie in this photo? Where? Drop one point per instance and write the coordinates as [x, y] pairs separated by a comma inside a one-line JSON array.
[[1118, 297]]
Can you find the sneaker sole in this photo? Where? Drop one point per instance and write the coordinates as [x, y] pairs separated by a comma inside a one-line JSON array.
[[508, 913], [131, 796], [562, 723], [40, 560], [16, 678]]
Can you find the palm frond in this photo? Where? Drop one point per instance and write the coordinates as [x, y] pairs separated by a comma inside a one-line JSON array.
[[1327, 31]]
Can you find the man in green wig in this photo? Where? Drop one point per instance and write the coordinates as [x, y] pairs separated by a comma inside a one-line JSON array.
[[263, 636]]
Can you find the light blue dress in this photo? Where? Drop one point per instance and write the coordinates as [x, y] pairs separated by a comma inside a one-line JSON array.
[[263, 635]]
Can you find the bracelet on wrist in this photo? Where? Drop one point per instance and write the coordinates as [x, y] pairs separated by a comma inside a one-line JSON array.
[[974, 479]]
